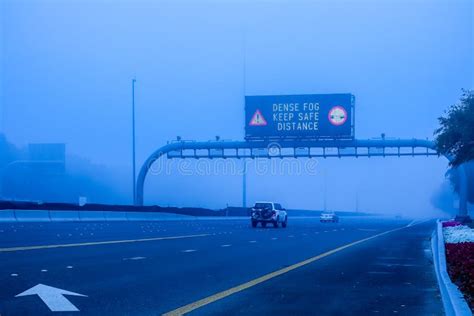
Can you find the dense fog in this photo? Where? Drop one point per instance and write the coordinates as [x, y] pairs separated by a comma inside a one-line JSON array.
[[66, 70]]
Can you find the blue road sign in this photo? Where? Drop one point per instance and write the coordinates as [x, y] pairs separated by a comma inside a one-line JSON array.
[[309, 116]]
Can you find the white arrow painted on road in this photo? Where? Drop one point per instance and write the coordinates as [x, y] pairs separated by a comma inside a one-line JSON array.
[[53, 297]]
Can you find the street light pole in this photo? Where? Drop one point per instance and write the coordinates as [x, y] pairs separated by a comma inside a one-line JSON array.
[[357, 200], [244, 185], [244, 77], [325, 190], [133, 142]]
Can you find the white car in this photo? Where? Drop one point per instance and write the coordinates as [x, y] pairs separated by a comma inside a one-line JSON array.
[[268, 213], [329, 217]]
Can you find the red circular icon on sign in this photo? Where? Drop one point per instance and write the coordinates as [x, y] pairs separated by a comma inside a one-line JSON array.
[[337, 115]]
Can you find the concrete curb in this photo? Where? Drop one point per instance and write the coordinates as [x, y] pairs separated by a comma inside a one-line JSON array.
[[453, 300]]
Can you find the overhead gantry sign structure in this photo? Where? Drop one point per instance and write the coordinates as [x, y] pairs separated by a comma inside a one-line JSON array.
[[295, 149]]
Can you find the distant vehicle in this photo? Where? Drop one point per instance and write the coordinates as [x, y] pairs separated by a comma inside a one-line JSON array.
[[268, 213], [329, 217]]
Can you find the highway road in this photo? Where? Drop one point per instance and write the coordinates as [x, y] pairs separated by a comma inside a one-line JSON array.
[[360, 266]]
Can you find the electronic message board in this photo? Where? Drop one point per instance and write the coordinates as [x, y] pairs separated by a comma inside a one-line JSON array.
[[309, 116]]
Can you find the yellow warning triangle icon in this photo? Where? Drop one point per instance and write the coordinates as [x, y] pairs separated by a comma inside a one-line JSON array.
[[258, 119]]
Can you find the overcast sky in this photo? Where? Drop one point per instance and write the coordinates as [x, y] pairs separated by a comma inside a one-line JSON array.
[[66, 70]]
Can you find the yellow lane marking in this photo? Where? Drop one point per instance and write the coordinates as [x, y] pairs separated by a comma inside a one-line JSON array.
[[218, 296], [110, 242]]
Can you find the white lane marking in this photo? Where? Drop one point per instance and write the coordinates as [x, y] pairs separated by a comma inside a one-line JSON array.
[[69, 267], [111, 242], [367, 230], [134, 258], [189, 250], [417, 222], [224, 246], [391, 258], [252, 241], [53, 297], [389, 264], [14, 274], [44, 270]]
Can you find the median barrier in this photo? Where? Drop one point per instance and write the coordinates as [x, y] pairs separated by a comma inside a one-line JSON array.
[[92, 216], [64, 216], [115, 216], [7, 216], [100, 216], [32, 216]]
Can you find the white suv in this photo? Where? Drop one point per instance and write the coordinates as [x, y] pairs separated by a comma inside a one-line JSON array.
[[268, 212]]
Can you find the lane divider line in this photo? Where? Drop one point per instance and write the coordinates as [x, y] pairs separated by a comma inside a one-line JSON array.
[[413, 223], [239, 288], [110, 242]]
